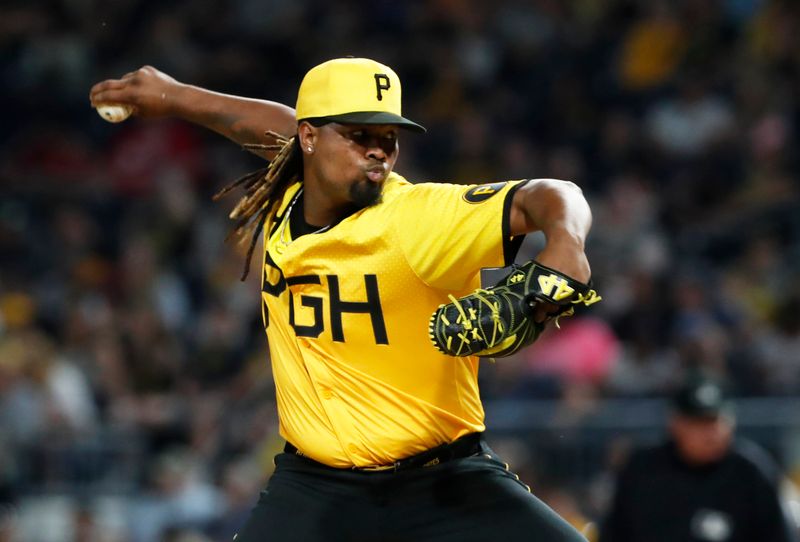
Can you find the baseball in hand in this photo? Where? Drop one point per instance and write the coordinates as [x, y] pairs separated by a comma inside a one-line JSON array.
[[114, 112]]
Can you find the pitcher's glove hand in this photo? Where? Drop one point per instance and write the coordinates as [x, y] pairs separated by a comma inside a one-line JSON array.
[[498, 321]]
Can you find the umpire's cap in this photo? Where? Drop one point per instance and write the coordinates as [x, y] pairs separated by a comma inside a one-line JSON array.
[[352, 91], [701, 397]]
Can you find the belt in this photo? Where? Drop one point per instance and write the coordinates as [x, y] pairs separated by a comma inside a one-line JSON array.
[[465, 446]]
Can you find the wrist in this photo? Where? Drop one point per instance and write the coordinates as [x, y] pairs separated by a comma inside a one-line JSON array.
[[181, 100], [566, 254]]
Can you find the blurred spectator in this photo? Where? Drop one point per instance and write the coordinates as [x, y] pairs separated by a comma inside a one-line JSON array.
[[652, 48], [691, 123], [583, 350], [778, 348], [180, 498], [41, 395], [241, 482]]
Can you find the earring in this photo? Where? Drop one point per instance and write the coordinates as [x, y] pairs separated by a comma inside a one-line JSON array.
[[310, 149]]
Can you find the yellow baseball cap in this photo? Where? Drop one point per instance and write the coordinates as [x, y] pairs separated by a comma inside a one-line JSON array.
[[352, 91]]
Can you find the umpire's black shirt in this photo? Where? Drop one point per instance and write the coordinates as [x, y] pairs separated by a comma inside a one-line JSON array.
[[660, 498]]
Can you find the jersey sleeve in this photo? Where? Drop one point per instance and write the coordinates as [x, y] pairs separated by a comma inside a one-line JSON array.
[[449, 232]]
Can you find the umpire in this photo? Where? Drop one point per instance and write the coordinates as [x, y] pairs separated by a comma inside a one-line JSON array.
[[700, 485]]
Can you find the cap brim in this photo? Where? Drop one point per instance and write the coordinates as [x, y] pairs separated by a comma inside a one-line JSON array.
[[699, 412], [374, 117], [704, 411]]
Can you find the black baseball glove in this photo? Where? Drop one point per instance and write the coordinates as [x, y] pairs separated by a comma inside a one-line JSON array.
[[498, 321]]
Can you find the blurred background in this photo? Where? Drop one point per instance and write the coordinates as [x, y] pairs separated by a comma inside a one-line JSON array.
[[136, 400]]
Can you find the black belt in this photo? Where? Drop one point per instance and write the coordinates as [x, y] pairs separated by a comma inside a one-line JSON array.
[[463, 447]]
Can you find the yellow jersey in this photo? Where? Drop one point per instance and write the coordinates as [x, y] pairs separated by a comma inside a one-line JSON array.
[[358, 382]]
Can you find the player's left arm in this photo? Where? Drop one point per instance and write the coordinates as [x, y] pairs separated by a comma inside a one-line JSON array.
[[559, 210]]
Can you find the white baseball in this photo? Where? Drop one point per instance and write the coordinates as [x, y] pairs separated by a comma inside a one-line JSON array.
[[114, 112]]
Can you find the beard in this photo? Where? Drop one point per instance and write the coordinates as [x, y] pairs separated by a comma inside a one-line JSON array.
[[365, 194]]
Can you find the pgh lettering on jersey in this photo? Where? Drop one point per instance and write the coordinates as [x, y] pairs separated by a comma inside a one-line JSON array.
[[357, 381], [337, 306]]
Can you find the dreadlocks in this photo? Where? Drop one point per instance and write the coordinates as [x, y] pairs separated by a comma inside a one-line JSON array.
[[262, 188]]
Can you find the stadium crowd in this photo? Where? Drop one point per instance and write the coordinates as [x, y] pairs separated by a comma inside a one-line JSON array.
[[135, 387]]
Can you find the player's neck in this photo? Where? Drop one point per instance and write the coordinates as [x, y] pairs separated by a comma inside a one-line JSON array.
[[318, 208]]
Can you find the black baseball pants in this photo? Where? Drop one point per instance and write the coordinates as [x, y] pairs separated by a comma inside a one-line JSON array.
[[462, 500]]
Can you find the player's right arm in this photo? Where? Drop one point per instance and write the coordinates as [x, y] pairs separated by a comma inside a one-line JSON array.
[[154, 94]]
